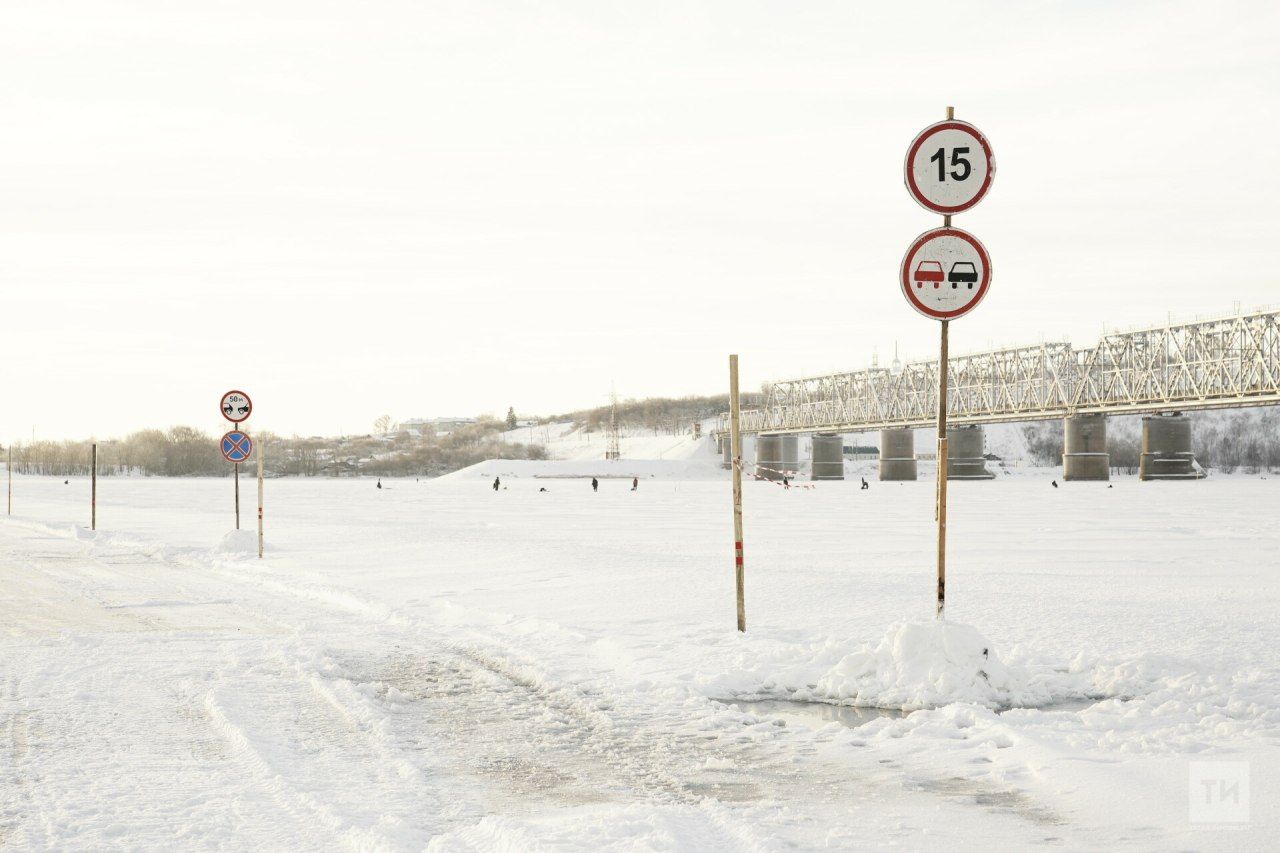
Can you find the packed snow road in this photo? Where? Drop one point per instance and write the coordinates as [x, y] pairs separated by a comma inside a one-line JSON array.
[[436, 665]]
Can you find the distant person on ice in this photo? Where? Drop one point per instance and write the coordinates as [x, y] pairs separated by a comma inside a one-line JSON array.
[[635, 483], [864, 483], [595, 484], [496, 483], [379, 482], [1054, 484]]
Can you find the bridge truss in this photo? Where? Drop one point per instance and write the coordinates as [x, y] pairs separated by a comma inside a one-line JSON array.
[[1222, 363]]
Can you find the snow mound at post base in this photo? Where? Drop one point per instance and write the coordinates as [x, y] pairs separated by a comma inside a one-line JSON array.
[[917, 664], [244, 542], [923, 665]]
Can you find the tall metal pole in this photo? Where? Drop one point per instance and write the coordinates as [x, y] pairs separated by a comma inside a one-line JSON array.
[[942, 472], [237, 467], [735, 439], [8, 466], [941, 513], [262, 451], [93, 497]]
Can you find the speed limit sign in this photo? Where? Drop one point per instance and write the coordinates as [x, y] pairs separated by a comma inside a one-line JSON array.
[[949, 167]]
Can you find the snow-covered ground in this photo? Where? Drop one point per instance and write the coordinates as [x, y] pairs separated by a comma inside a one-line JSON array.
[[439, 665]]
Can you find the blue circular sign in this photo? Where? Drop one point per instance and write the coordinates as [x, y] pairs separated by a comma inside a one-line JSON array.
[[236, 446]]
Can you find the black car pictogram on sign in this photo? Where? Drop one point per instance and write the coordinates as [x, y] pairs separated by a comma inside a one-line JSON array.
[[962, 271]]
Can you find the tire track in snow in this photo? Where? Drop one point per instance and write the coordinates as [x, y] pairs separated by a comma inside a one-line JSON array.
[[328, 717]]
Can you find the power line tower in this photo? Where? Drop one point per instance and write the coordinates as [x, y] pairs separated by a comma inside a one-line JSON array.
[[613, 449]]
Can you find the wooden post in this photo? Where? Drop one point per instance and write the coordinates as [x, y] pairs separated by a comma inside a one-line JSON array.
[[237, 477], [262, 451], [93, 494], [735, 439]]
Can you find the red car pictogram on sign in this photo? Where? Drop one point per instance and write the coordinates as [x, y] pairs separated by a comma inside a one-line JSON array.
[[928, 271]]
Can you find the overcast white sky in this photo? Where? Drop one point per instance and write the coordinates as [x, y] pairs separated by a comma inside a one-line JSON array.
[[427, 208]]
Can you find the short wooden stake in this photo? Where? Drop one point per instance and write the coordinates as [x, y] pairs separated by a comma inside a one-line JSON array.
[[735, 438]]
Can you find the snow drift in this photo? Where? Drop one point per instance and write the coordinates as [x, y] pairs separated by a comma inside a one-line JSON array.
[[916, 664]]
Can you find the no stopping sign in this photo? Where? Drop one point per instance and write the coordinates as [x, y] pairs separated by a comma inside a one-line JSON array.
[[945, 273]]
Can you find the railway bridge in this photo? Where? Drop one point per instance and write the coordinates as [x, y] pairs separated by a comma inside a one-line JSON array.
[[1161, 372]]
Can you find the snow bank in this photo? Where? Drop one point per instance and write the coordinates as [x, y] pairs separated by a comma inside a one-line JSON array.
[[917, 664], [238, 542], [922, 665]]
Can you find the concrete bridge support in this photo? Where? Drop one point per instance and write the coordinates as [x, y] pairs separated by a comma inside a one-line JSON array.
[[1166, 449], [964, 454], [791, 455], [726, 452], [897, 454], [827, 458], [777, 456], [1084, 448]]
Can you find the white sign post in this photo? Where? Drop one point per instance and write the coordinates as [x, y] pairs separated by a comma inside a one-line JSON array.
[[946, 272]]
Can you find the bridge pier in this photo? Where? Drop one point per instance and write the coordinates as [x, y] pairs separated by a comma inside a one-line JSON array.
[[826, 460], [964, 454], [726, 452], [897, 454], [1084, 448], [776, 454], [1166, 448]]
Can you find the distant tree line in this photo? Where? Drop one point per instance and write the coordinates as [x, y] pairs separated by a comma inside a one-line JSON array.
[[188, 452]]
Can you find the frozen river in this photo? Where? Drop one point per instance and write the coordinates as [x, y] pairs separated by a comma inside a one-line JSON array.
[[435, 664]]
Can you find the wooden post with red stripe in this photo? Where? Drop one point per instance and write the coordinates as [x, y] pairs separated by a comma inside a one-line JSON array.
[[735, 438]]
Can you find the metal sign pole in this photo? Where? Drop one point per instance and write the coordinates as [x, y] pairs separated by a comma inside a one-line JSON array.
[[943, 370], [942, 472], [237, 478], [93, 496], [735, 444], [948, 169], [262, 451], [9, 468]]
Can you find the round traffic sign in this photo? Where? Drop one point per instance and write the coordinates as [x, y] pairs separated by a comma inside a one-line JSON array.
[[236, 446], [236, 406], [945, 273], [949, 167]]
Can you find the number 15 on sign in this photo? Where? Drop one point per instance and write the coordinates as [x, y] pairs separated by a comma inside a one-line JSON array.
[[949, 167]]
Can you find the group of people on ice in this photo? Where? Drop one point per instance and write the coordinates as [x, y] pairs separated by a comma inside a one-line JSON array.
[[595, 484]]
